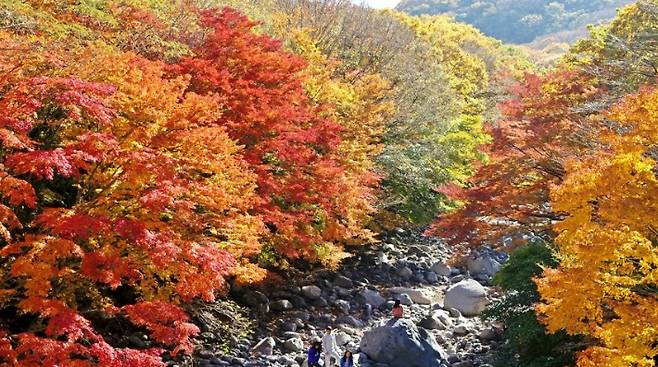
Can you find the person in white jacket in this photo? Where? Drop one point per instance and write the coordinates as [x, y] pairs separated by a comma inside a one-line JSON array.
[[330, 348]]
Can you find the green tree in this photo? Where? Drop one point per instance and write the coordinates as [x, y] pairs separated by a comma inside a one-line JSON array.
[[527, 343]]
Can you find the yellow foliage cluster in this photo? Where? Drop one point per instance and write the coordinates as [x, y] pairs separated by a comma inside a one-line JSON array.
[[607, 284]]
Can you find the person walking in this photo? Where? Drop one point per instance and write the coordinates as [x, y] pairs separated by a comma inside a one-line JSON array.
[[397, 312], [347, 360], [330, 348], [313, 355]]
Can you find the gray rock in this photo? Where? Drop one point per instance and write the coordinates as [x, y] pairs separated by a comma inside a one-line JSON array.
[[311, 291], [467, 296], [460, 330], [404, 299], [286, 361], [432, 277], [371, 297], [281, 305], [442, 269], [297, 301], [343, 306], [344, 282], [419, 296], [487, 334], [399, 343], [439, 320], [206, 354], [454, 312], [457, 278], [290, 334], [348, 320], [256, 300], [320, 302], [343, 292], [264, 347], [405, 273], [287, 325], [343, 338], [482, 264], [293, 345]]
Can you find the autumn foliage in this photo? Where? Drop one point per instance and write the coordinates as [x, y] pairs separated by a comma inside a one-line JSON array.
[[152, 154], [574, 162], [133, 183]]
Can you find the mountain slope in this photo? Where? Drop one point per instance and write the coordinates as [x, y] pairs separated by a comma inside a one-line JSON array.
[[519, 21]]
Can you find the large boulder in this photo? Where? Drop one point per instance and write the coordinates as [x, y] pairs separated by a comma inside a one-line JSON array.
[[371, 297], [418, 296], [467, 296], [399, 343]]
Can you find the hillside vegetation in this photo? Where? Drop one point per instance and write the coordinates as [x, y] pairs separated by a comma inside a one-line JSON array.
[[156, 154], [521, 21]]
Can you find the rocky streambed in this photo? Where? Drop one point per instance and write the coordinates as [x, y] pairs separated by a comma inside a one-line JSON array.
[[441, 326]]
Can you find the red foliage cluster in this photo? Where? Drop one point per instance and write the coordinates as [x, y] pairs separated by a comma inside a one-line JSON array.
[[287, 144], [130, 186], [538, 131]]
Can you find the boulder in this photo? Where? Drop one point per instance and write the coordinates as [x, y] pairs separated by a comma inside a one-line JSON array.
[[467, 296], [442, 269], [419, 296], [343, 281], [311, 291], [293, 345], [399, 343], [371, 297], [482, 265], [264, 347]]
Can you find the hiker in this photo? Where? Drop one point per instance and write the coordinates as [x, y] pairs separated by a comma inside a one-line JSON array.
[[329, 347], [347, 360], [397, 312], [313, 355]]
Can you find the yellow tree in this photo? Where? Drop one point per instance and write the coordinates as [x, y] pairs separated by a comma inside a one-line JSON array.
[[607, 284]]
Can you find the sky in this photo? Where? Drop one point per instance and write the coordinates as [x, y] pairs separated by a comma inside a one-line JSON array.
[[378, 3]]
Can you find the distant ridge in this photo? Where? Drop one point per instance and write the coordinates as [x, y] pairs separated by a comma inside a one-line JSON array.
[[521, 21]]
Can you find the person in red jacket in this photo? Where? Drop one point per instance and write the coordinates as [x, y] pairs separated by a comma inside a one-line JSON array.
[[397, 311]]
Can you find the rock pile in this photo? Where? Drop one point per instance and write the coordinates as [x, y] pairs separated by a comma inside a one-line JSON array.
[[439, 327]]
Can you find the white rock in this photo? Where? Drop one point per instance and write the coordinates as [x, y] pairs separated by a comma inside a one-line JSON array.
[[467, 296], [419, 296]]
